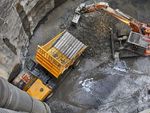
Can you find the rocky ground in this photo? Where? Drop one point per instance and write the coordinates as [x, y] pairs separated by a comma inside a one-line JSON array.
[[95, 86], [13, 39]]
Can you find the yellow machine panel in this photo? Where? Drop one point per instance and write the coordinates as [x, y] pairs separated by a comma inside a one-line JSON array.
[[38, 90], [59, 53]]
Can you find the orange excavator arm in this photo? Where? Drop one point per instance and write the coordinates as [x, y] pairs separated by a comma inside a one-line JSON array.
[[135, 25]]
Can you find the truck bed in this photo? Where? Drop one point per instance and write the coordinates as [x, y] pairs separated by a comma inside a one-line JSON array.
[[59, 53]]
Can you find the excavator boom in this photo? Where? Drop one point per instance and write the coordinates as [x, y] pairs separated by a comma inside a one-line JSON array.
[[140, 30], [104, 6], [135, 25]]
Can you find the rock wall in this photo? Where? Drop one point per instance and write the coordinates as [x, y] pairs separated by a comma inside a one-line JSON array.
[[13, 39], [32, 11], [18, 19]]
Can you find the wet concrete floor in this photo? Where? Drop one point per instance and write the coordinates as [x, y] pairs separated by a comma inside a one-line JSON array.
[[94, 86]]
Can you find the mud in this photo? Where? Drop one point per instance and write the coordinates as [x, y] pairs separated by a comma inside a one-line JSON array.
[[94, 86]]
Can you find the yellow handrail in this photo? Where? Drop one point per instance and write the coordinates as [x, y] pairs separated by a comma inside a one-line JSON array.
[[48, 56]]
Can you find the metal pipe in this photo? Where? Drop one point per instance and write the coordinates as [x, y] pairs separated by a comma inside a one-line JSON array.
[[81, 46], [58, 40], [72, 48], [65, 43], [76, 50], [15, 99], [61, 40], [2, 110], [68, 44], [65, 38]]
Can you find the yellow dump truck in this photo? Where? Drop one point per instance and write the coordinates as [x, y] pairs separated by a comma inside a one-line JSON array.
[[60, 53], [56, 57]]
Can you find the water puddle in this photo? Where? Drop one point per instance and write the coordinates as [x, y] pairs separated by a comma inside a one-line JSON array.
[[87, 84], [120, 65]]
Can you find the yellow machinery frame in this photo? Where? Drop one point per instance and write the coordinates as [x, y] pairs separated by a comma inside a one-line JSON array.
[[54, 65]]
